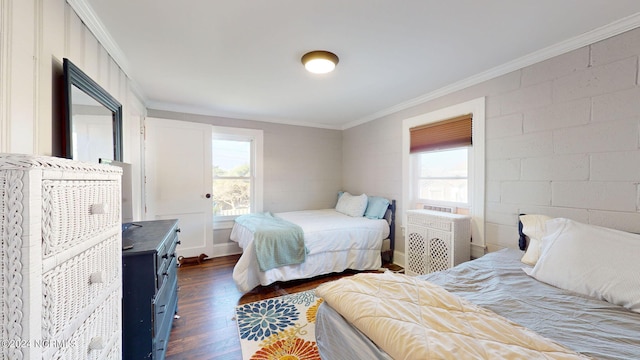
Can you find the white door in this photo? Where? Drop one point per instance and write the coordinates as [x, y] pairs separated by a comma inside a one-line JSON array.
[[179, 181]]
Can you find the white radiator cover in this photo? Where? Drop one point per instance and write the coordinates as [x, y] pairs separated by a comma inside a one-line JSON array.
[[436, 241]]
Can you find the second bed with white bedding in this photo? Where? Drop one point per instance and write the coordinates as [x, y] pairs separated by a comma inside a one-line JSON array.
[[335, 242]]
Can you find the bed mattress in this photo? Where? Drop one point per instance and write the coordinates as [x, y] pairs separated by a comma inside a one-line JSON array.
[[497, 282]]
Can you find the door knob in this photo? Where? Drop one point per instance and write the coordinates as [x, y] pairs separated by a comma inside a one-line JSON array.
[[208, 196]]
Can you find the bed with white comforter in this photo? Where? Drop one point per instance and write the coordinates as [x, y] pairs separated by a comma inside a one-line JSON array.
[[335, 242]]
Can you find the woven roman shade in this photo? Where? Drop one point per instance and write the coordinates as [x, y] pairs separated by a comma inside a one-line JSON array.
[[445, 134]]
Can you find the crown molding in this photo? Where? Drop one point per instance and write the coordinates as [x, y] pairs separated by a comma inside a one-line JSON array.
[[588, 38], [153, 106], [88, 16]]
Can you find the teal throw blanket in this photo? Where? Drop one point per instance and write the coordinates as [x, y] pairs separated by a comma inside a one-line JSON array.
[[277, 242]]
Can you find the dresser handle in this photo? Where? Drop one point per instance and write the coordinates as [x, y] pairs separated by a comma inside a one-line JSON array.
[[99, 209], [96, 343], [178, 230], [178, 242], [161, 307], [173, 255], [165, 256], [165, 274], [95, 278]]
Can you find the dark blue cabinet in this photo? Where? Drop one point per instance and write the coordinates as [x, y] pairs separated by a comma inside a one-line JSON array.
[[150, 288]]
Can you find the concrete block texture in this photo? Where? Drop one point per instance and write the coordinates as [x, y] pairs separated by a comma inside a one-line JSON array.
[[556, 67], [557, 116], [503, 169], [529, 97], [616, 106], [556, 167], [618, 47], [503, 126], [522, 146], [526, 192], [596, 80], [597, 137], [595, 195], [615, 166]]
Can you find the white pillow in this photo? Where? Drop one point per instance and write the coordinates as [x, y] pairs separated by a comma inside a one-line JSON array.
[[591, 260], [352, 205], [533, 226]]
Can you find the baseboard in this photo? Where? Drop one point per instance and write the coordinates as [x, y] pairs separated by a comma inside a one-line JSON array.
[[398, 258], [226, 249], [477, 251]]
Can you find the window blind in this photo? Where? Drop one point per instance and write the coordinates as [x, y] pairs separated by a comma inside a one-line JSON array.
[[445, 134]]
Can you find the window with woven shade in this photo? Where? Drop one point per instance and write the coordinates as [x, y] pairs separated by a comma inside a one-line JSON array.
[[441, 153]]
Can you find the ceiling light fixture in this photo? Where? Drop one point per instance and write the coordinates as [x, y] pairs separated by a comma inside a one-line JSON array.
[[320, 61]]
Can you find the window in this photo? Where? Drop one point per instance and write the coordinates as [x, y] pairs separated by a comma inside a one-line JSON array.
[[442, 176], [441, 161], [237, 178], [412, 175]]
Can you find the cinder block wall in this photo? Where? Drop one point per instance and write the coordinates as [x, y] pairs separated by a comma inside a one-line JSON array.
[[565, 142], [562, 139]]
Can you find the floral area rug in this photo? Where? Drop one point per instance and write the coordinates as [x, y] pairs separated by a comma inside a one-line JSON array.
[[279, 328]]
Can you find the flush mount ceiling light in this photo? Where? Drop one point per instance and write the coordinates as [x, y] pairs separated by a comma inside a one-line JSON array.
[[319, 61]]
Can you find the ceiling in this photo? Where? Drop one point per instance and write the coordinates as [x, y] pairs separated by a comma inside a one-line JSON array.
[[241, 58]]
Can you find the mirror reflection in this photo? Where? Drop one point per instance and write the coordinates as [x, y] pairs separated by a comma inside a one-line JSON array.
[[92, 128]]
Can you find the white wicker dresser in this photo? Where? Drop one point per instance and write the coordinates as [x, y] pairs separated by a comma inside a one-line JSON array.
[[60, 259]]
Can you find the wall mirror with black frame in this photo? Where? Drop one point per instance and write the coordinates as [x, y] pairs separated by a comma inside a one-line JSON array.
[[93, 118]]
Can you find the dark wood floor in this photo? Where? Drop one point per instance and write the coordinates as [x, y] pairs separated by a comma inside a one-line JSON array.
[[206, 302]]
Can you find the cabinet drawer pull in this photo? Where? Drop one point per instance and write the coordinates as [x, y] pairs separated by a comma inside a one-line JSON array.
[[96, 343], [161, 309], [99, 209], [95, 278], [165, 256]]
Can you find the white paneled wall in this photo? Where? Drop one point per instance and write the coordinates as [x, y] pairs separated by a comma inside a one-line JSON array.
[[35, 36], [562, 139]]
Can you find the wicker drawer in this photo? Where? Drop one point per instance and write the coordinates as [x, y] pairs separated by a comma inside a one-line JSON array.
[[74, 211], [432, 222], [83, 278], [92, 338]]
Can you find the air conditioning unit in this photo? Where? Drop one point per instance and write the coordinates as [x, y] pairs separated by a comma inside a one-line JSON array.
[[447, 209]]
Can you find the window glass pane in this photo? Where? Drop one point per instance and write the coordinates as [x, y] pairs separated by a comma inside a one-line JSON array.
[[446, 163], [231, 158], [451, 190], [231, 197]]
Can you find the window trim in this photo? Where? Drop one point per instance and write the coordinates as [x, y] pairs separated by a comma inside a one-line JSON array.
[[257, 174], [476, 162]]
